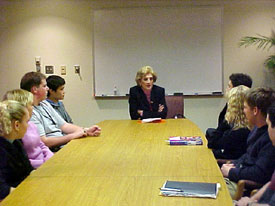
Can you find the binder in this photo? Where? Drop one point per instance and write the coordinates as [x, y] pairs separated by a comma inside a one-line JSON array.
[[190, 189]]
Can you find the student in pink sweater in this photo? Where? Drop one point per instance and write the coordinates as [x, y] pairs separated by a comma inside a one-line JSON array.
[[36, 150]]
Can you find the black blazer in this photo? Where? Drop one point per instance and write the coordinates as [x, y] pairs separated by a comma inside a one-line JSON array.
[[222, 114], [138, 101], [14, 165], [228, 143]]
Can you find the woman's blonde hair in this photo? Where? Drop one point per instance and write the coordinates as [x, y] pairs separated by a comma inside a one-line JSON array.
[[235, 115], [20, 95], [10, 110], [144, 71]]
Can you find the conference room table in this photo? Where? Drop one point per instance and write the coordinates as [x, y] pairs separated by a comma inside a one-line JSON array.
[[125, 165]]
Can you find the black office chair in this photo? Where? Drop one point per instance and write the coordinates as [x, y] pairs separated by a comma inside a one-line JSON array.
[[175, 106]]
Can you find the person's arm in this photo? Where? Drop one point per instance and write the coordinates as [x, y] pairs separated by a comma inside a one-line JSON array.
[[163, 112], [93, 131], [71, 131], [47, 153], [161, 102], [214, 141], [259, 194], [226, 168], [260, 170], [133, 105], [4, 187], [244, 201]]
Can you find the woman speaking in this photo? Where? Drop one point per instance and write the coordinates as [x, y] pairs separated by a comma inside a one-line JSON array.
[[146, 99]]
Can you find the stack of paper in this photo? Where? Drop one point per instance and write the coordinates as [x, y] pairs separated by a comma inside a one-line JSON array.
[[190, 189], [149, 120], [185, 140]]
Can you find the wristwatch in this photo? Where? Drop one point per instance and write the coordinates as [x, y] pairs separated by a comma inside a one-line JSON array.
[[85, 130]]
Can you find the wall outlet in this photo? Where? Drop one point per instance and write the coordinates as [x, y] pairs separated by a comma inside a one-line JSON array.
[[77, 69], [49, 70], [63, 70]]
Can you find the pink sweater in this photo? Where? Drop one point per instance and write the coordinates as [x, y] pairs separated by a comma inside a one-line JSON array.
[[36, 150]]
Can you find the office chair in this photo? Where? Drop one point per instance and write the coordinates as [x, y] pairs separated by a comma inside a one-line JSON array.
[[175, 106]]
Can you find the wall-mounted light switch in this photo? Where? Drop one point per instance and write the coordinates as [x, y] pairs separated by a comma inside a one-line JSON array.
[[49, 70], [38, 63], [63, 70]]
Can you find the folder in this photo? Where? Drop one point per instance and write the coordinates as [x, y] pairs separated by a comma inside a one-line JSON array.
[[190, 189]]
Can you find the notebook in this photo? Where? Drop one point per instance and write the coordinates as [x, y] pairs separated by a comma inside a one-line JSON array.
[[190, 189]]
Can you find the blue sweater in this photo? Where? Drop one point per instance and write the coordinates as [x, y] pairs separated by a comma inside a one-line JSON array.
[[258, 163]]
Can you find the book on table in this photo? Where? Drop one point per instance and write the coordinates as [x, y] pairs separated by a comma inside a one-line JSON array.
[[190, 140], [190, 189]]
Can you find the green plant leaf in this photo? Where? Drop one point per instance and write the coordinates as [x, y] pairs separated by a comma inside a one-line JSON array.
[[270, 62], [262, 41]]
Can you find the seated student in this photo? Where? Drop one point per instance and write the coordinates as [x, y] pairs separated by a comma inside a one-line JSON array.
[[235, 79], [14, 163], [53, 130], [266, 195], [36, 150], [56, 93], [258, 163], [228, 141], [146, 99]]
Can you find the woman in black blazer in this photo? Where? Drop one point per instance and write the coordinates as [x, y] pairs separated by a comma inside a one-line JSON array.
[[146, 99], [14, 163]]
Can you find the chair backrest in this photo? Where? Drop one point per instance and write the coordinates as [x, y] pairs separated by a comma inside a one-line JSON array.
[[175, 106]]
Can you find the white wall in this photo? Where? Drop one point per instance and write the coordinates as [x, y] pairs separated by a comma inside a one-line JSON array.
[[61, 33]]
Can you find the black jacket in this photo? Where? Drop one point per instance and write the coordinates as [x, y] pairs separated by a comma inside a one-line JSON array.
[[14, 165], [226, 142], [222, 115], [258, 163], [138, 101]]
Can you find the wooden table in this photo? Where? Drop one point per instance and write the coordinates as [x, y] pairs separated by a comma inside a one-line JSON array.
[[126, 165]]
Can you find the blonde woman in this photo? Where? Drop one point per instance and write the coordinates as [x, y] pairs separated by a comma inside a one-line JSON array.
[[14, 163], [37, 151], [228, 141], [146, 99]]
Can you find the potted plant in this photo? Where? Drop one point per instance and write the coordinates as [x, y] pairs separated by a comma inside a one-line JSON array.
[[262, 42]]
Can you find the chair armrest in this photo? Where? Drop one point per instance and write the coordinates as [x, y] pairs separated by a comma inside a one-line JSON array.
[[252, 185], [245, 186]]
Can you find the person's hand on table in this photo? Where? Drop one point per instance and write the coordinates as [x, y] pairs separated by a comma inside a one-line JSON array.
[[93, 131], [226, 168]]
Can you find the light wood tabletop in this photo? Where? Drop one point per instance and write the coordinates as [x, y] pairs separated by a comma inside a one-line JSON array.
[[126, 165]]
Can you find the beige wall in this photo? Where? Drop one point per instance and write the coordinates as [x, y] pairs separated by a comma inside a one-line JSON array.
[[61, 33]]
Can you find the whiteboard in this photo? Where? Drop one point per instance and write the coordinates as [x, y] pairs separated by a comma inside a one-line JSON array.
[[183, 45]]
